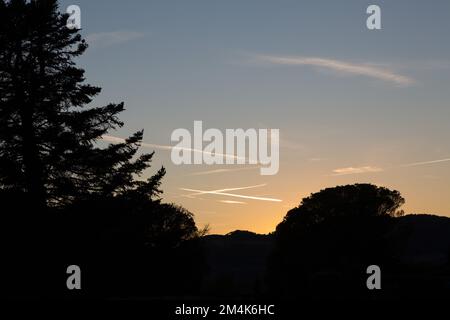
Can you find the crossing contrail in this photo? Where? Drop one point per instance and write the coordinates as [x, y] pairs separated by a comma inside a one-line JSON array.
[[222, 193]]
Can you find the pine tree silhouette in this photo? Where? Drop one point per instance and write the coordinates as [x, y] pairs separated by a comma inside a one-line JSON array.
[[98, 212], [49, 138]]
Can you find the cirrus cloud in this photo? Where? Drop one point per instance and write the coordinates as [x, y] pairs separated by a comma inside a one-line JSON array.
[[368, 70], [355, 170]]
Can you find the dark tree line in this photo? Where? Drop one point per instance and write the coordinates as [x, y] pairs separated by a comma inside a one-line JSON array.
[[65, 199], [324, 246]]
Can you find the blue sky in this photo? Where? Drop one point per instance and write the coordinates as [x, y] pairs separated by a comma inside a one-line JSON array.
[[342, 96]]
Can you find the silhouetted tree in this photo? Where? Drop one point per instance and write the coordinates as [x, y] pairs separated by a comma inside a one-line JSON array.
[[326, 242], [132, 248], [98, 213], [48, 137]]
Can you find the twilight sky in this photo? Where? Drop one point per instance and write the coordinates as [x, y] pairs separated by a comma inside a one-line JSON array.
[[352, 105]]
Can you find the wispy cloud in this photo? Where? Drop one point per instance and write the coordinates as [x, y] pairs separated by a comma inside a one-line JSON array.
[[368, 70], [107, 39], [355, 170], [232, 202]]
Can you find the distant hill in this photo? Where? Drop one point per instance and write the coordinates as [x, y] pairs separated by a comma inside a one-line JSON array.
[[423, 239], [237, 261]]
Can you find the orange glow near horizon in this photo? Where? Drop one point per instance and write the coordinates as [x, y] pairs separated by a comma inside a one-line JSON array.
[[423, 193]]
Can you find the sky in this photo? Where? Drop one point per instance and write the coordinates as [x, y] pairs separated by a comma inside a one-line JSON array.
[[351, 104]]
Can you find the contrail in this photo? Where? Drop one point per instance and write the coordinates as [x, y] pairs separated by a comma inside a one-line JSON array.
[[352, 170], [113, 139], [202, 173], [424, 163], [229, 189], [232, 195]]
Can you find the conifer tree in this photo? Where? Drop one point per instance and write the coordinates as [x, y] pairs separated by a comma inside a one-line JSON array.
[[50, 136]]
